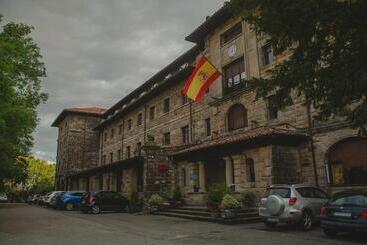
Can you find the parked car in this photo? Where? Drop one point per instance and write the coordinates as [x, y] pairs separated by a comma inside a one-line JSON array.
[[54, 198], [3, 198], [34, 199], [346, 211], [43, 199], [295, 204], [96, 202], [71, 200]]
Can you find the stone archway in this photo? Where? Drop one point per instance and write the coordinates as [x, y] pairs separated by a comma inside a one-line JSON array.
[[347, 161]]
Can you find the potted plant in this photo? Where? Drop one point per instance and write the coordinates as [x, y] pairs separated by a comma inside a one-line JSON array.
[[176, 199], [249, 199], [229, 207], [154, 203], [135, 203], [215, 196]]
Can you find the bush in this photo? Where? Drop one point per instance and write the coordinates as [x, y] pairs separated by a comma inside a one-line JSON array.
[[216, 194], [249, 199], [155, 200], [135, 199], [177, 196], [230, 202]]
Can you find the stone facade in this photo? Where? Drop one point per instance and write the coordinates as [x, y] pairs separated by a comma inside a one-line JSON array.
[[137, 147]]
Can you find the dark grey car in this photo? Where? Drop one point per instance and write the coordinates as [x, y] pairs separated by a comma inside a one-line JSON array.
[[296, 204]]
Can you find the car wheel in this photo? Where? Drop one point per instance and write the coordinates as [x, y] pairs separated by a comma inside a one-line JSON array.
[[307, 221], [96, 209], [270, 224], [69, 207], [329, 232]]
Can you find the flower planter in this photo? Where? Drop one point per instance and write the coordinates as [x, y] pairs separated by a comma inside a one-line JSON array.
[[228, 214], [154, 209]]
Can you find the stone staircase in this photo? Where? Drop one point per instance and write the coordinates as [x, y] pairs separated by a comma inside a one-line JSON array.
[[203, 214]]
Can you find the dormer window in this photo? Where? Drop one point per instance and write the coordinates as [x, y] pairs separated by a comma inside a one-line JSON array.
[[231, 34]]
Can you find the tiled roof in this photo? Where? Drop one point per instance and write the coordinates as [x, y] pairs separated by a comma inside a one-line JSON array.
[[92, 111], [247, 136]]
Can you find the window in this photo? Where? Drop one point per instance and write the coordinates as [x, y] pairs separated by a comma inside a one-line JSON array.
[[152, 113], [234, 75], [347, 164], [267, 53], [111, 157], [250, 170], [112, 133], [128, 152], [237, 117], [104, 159], [184, 99], [167, 139], [140, 119], [183, 177], [208, 127], [281, 192], [120, 129], [129, 124], [231, 33], [138, 149], [185, 135], [166, 105], [272, 108], [105, 136], [119, 154]]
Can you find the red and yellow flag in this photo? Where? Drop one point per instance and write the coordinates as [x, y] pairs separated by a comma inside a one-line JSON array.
[[201, 78]]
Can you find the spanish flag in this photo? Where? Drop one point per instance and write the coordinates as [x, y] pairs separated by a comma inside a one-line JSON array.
[[201, 78]]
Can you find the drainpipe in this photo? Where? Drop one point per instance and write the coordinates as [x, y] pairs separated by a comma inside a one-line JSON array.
[[145, 123], [310, 132], [191, 126]]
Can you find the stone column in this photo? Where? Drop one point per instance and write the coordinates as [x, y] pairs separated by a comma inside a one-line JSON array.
[[229, 171], [202, 177]]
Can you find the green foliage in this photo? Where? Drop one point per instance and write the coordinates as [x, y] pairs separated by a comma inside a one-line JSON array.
[[21, 70], [155, 200], [230, 202], [177, 195], [249, 199], [41, 176], [216, 194], [135, 199], [327, 40]]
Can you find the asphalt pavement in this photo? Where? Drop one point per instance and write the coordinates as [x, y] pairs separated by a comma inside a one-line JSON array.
[[25, 224]]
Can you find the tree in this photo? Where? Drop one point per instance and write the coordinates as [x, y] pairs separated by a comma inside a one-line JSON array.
[[41, 176], [21, 70], [327, 40]]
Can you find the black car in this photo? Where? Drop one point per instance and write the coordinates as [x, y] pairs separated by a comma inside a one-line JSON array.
[[345, 212], [96, 202]]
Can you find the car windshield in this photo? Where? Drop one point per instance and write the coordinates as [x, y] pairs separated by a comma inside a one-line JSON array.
[[282, 192], [359, 200]]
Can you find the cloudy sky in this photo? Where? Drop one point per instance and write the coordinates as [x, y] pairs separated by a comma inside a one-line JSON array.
[[98, 51]]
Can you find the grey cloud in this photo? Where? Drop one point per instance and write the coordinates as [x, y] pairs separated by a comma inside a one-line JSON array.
[[97, 51]]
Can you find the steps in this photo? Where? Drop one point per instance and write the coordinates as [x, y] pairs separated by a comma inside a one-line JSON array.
[[204, 214]]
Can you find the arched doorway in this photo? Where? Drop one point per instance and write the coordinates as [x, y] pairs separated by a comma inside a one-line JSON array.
[[347, 161]]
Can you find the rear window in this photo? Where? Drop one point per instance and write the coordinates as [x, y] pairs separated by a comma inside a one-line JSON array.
[[282, 192], [350, 200]]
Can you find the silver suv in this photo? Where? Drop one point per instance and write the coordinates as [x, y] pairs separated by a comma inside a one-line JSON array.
[[295, 204]]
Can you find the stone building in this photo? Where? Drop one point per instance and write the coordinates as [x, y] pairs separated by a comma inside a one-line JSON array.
[[155, 139]]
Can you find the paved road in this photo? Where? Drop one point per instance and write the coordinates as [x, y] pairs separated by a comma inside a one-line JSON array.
[[24, 224]]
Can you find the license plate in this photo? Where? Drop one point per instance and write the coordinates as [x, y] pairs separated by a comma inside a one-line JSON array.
[[273, 219], [340, 214]]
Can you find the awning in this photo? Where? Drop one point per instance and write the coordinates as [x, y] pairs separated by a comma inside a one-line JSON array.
[[123, 164], [247, 139]]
